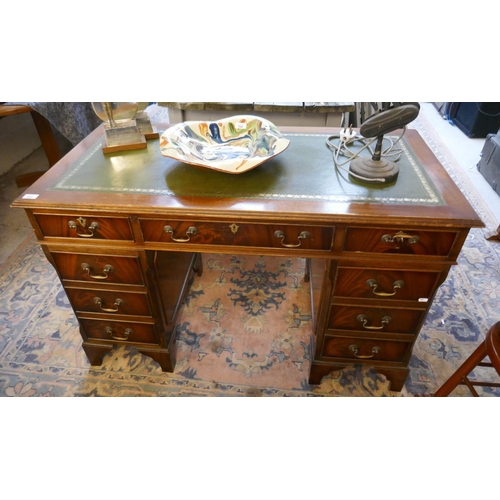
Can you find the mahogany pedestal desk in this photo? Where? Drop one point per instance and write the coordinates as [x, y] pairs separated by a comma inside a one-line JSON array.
[[126, 232]]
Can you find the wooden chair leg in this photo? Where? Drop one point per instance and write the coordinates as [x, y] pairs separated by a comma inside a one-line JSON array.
[[47, 138], [471, 362], [49, 145], [493, 235], [307, 273]]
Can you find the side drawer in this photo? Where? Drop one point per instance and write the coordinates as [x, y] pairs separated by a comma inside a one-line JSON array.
[[114, 331], [356, 350], [392, 284], [374, 319], [101, 301], [98, 268], [238, 234], [398, 241], [85, 227]]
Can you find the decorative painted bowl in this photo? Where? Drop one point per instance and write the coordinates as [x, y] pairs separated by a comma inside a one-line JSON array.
[[233, 145]]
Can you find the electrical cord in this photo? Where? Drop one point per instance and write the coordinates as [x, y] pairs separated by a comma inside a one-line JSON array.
[[484, 112], [338, 144]]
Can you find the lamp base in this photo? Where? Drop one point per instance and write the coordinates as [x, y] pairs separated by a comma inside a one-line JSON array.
[[145, 127], [374, 171], [125, 136]]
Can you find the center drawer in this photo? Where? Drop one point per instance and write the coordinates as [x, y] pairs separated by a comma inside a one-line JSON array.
[[238, 234]]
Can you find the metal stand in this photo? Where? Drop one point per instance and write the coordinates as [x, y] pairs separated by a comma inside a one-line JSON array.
[[124, 136], [375, 169], [145, 127]]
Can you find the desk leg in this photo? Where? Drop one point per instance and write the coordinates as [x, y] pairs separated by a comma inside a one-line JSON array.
[[396, 376], [163, 357], [95, 353], [318, 371], [493, 235]]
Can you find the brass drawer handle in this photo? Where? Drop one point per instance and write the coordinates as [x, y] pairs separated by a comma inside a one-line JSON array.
[[363, 319], [190, 232], [302, 236], [117, 304], [372, 283], [113, 335], [355, 349], [399, 237], [94, 226], [105, 272]]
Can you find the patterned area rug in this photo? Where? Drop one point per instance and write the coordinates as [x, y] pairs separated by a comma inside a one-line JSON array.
[[264, 298]]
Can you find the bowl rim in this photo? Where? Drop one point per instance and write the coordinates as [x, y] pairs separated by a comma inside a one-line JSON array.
[[227, 166]]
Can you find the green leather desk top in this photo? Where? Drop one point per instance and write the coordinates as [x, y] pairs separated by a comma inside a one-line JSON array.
[[305, 171]]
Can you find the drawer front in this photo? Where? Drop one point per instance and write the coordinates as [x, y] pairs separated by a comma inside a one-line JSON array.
[[374, 319], [100, 301], [99, 268], [119, 331], [391, 284], [238, 234], [397, 241], [85, 227], [365, 349]]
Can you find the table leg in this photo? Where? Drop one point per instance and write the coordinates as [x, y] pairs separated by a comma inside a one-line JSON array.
[[318, 371], [49, 145], [493, 235], [396, 376]]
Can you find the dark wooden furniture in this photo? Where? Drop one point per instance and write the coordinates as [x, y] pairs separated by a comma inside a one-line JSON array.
[[493, 235], [125, 234], [490, 348], [46, 135]]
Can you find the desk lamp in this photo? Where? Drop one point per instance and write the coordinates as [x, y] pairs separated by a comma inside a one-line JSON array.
[[378, 169], [120, 128]]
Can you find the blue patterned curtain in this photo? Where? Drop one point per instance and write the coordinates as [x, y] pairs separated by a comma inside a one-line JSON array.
[[74, 120]]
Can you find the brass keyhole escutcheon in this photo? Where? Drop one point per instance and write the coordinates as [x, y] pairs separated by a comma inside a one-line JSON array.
[[234, 228]]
